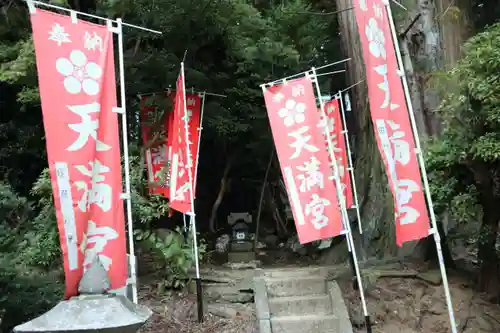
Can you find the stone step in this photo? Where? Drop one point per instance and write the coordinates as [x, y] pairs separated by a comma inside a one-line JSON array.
[[226, 293], [305, 324], [297, 272], [300, 305], [295, 286]]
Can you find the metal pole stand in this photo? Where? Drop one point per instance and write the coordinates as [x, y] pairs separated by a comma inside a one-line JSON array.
[[418, 149], [350, 242], [126, 195], [192, 213]]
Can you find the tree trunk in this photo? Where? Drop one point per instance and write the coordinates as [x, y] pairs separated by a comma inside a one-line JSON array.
[[423, 55], [432, 44], [487, 185], [489, 270], [224, 184], [377, 215], [489, 280], [262, 192], [273, 206]]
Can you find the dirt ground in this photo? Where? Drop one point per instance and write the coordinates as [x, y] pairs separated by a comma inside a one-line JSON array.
[[409, 305], [177, 312], [395, 304]]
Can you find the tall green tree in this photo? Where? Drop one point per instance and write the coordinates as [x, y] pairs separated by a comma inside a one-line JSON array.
[[464, 160]]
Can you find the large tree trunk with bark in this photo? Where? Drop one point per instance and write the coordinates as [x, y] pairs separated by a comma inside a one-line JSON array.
[[429, 46], [489, 279], [487, 185], [423, 55], [375, 199]]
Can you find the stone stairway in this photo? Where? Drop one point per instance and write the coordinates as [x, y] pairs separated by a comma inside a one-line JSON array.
[[299, 300]]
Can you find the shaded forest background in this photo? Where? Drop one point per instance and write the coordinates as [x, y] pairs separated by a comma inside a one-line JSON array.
[[451, 50]]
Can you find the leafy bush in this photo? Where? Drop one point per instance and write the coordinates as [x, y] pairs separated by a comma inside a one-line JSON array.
[[43, 248], [176, 257], [145, 208], [464, 161], [14, 212], [25, 296]]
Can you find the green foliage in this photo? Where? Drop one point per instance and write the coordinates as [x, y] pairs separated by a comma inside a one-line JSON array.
[[14, 213], [43, 237], [24, 292], [22, 66], [176, 257], [471, 113], [145, 208], [464, 160], [465, 207], [25, 295]]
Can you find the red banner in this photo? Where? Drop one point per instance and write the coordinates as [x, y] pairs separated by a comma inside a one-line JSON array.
[[294, 120], [157, 157], [78, 94], [193, 102], [187, 109], [334, 123], [391, 122]]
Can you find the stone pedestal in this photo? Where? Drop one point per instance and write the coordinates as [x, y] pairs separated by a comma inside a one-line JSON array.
[[241, 251], [93, 313], [241, 246], [241, 256]]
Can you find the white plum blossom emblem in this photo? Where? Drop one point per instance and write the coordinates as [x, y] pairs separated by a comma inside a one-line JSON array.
[[376, 39], [278, 97], [293, 113], [58, 34], [80, 73]]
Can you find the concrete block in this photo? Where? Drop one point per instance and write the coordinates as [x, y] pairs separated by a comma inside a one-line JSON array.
[[305, 324], [241, 246], [339, 308], [295, 286], [265, 326], [300, 305], [241, 256], [261, 299]]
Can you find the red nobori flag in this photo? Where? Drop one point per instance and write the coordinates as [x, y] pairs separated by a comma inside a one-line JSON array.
[[186, 107], [77, 91], [193, 104], [156, 156], [294, 120], [334, 123], [391, 122]]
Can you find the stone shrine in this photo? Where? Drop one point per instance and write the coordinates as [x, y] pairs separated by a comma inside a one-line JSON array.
[[240, 246]]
